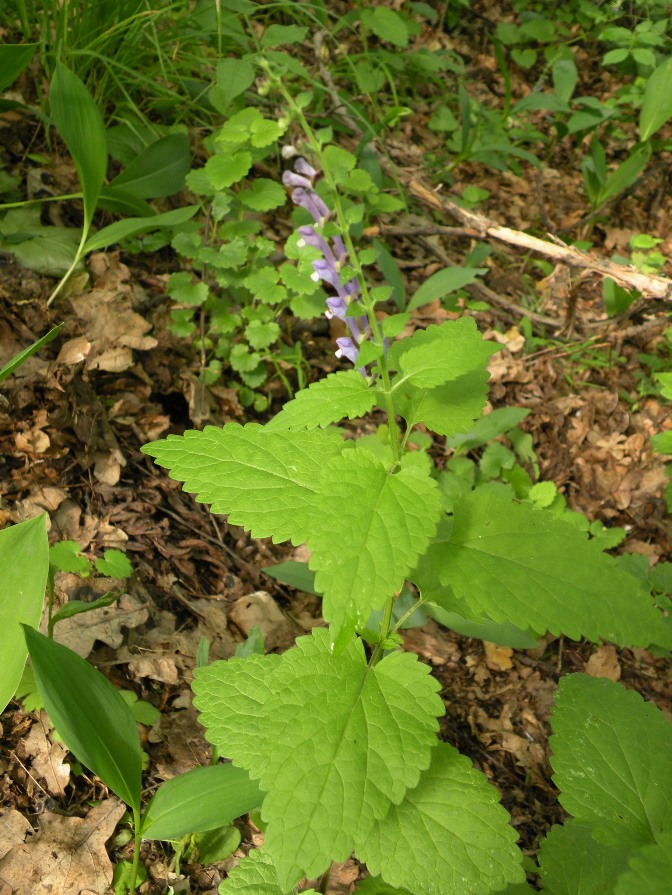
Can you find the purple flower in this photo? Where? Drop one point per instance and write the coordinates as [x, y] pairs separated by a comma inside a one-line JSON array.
[[289, 178], [347, 348], [308, 199], [301, 166]]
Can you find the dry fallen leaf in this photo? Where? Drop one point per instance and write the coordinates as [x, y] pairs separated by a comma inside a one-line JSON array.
[[66, 856], [80, 632], [261, 609], [604, 663], [48, 757], [497, 658], [13, 829]]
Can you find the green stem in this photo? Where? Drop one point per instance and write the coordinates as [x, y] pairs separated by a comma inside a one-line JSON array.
[[377, 654], [50, 608], [137, 842]]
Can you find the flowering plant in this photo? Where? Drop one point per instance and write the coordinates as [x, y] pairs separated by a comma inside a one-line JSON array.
[[341, 730]]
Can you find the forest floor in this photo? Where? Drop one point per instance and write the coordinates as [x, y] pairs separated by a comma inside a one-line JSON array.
[[73, 419]]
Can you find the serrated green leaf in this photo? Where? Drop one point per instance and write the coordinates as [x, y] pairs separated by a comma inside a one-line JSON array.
[[612, 757], [374, 885], [231, 697], [265, 481], [439, 354], [508, 560], [345, 740], [24, 558], [573, 863], [254, 875], [236, 131], [227, 168], [449, 836], [448, 409], [381, 523], [339, 395], [650, 869], [263, 195], [333, 741]]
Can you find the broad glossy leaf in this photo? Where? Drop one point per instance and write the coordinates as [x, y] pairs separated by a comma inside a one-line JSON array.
[[295, 574], [650, 869], [440, 354], [159, 170], [573, 863], [13, 59], [612, 757], [131, 226], [90, 715], [443, 283], [80, 125], [24, 560], [201, 799], [509, 561], [657, 105], [265, 481], [488, 427], [448, 836], [329, 400], [372, 528]]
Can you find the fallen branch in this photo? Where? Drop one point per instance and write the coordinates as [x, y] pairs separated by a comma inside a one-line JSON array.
[[650, 286]]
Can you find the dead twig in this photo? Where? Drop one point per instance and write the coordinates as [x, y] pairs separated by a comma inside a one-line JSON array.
[[649, 285]]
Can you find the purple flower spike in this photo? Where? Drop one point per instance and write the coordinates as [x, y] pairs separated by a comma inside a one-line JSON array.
[[301, 166], [347, 348], [309, 200], [311, 237]]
